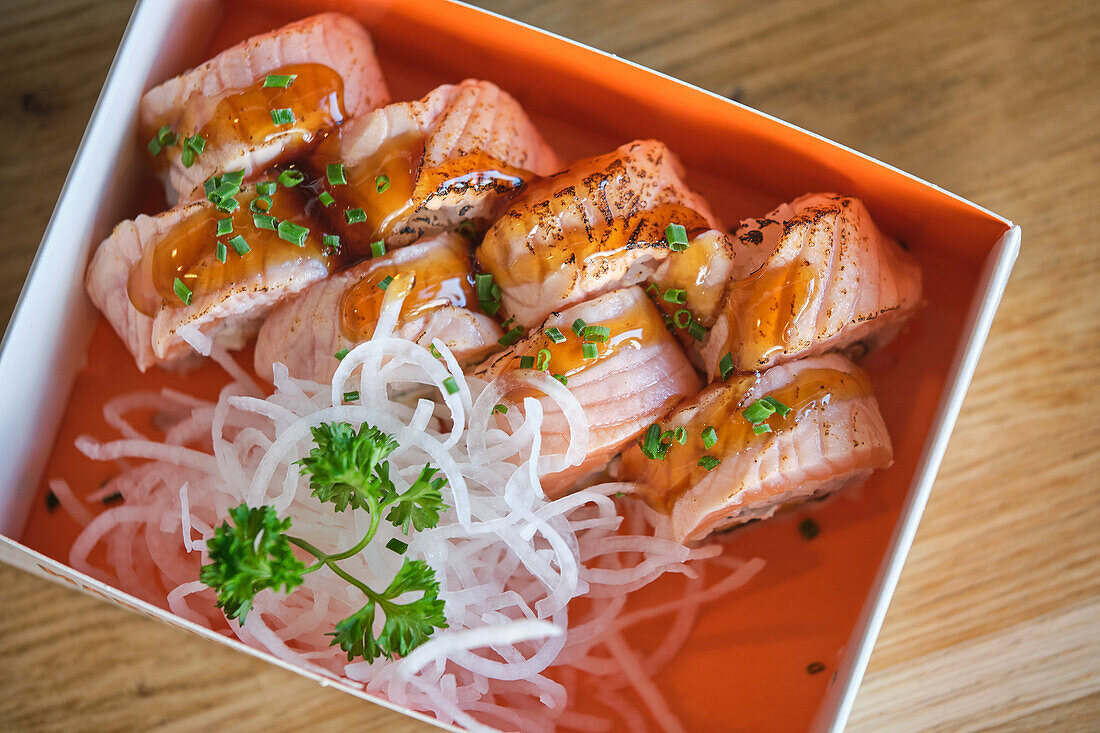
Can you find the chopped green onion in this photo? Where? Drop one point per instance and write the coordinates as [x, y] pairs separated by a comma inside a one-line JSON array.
[[466, 229], [578, 326], [483, 283], [596, 333], [166, 136], [675, 295], [293, 233], [266, 188], [281, 81], [225, 226], [451, 385], [697, 331], [196, 142], [225, 190], [708, 462], [291, 177], [326, 199], [187, 157], [680, 435], [561, 378], [758, 411], [260, 204], [154, 147], [354, 216], [651, 443], [396, 545], [209, 186], [652, 290], [385, 282], [778, 406], [239, 245], [341, 354], [221, 252], [511, 337], [228, 205], [554, 334], [682, 318], [331, 240], [542, 360], [589, 351], [182, 291], [676, 236], [264, 221], [502, 409], [725, 365], [527, 362], [434, 351], [335, 174], [381, 183], [351, 396], [710, 437], [377, 248], [234, 177], [283, 116], [760, 428]]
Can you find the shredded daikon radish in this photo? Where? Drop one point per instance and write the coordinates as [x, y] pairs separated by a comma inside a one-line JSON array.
[[509, 561]]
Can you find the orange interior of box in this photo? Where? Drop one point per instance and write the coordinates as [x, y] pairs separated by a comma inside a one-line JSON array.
[[745, 666]]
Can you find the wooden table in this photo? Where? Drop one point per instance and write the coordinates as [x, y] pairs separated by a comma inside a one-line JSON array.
[[996, 622]]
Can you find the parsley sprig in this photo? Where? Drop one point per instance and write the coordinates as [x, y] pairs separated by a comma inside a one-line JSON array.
[[347, 468]]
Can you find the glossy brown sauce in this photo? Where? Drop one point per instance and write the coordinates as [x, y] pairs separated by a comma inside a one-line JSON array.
[[442, 276], [188, 251], [664, 481]]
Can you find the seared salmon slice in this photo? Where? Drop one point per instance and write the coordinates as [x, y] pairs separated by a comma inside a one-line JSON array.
[[198, 270], [625, 377], [832, 279], [831, 435], [305, 332], [595, 227], [413, 169], [261, 102]]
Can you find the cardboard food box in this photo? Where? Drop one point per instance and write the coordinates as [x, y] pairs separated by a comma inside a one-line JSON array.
[[786, 652]]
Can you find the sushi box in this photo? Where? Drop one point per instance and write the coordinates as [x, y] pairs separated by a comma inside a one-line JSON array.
[[816, 604]]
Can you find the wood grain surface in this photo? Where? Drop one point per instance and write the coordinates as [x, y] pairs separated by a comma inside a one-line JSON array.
[[996, 621]]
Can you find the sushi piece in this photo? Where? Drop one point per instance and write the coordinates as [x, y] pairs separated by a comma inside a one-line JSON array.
[[260, 102], [204, 273], [595, 227], [625, 377], [413, 169], [832, 279], [305, 332], [824, 432]]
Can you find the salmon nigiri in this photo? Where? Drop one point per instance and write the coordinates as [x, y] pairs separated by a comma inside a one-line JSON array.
[[597, 226], [744, 457], [206, 272], [832, 279], [305, 332], [261, 102], [413, 169], [615, 356]]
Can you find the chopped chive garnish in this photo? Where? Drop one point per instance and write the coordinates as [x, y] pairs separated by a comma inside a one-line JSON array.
[[260, 204], [682, 318], [527, 362], [154, 147], [554, 334], [667, 438], [354, 216], [221, 252], [341, 354], [196, 142], [326, 199], [283, 116], [331, 240], [351, 396], [466, 229], [561, 378], [377, 248], [182, 291], [589, 351], [651, 445], [225, 226], [265, 221], [675, 295], [209, 186], [758, 411], [451, 385], [710, 437], [676, 236], [187, 157], [266, 188], [596, 333], [381, 183], [761, 428], [234, 177], [502, 409], [488, 293], [385, 282], [165, 136], [542, 360], [680, 435], [281, 81], [709, 462], [335, 174], [434, 351], [697, 331], [725, 365], [809, 528], [396, 545], [228, 205], [293, 233], [291, 177], [239, 245], [652, 290], [511, 336], [225, 190], [578, 326], [777, 406]]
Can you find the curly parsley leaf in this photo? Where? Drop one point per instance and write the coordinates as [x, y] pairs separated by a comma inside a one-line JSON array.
[[421, 504], [344, 466], [248, 556]]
